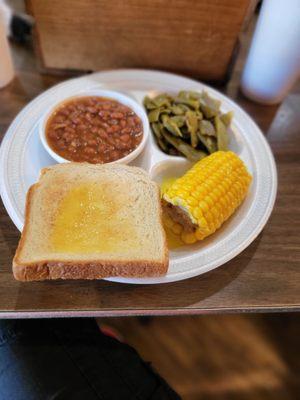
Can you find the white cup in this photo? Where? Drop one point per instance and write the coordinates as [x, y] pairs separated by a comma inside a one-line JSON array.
[[273, 63]]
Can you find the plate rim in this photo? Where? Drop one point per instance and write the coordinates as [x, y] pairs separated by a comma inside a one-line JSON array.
[[176, 276]]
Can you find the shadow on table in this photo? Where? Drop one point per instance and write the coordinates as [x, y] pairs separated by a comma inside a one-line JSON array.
[[9, 236], [263, 115]]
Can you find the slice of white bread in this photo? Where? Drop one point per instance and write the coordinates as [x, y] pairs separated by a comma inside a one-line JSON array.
[[87, 221]]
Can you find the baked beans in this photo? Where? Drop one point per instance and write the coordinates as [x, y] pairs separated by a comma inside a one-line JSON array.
[[93, 129]]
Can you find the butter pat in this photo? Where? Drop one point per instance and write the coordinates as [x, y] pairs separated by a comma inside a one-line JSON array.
[[90, 219]]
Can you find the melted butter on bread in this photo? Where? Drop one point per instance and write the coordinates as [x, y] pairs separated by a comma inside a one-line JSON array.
[[90, 219]]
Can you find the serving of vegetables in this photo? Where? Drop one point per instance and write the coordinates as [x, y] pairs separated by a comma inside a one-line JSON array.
[[189, 124]]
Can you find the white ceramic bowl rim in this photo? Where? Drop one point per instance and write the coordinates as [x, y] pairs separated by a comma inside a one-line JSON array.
[[110, 94]]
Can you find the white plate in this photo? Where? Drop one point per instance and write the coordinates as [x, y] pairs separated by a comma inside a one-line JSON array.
[[22, 156]]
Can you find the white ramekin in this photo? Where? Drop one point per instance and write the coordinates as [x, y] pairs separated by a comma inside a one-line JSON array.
[[121, 98]]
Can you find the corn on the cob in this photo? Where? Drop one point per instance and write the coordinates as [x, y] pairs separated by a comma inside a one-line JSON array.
[[207, 195]]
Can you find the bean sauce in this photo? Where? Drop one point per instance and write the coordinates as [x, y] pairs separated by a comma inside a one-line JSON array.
[[93, 129]]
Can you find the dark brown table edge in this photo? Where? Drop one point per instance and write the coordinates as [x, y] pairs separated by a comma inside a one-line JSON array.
[[146, 313]]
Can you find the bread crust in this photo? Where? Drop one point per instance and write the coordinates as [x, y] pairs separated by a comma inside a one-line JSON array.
[[44, 270], [89, 269], [25, 228]]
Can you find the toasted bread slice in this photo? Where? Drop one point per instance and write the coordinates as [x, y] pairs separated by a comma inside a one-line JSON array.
[[87, 221]]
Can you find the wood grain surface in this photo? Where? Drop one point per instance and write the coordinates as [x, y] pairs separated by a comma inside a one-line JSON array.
[[196, 38], [264, 277]]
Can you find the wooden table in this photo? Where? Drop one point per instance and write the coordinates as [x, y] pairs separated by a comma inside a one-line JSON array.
[[264, 277]]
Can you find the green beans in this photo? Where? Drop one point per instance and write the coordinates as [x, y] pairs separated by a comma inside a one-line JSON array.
[[189, 124], [207, 128], [188, 151], [171, 126], [227, 118], [192, 125], [153, 115], [222, 137], [156, 128]]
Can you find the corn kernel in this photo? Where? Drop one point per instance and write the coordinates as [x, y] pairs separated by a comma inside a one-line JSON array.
[[202, 223], [192, 201], [209, 216], [204, 206], [215, 213], [209, 201], [168, 222], [199, 234], [177, 228], [188, 238], [197, 212]]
